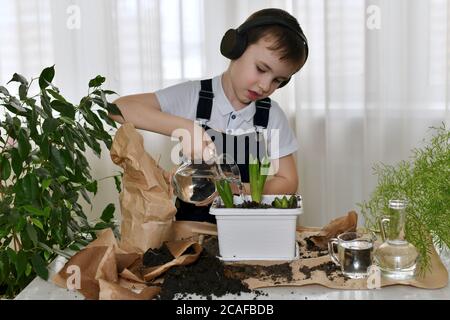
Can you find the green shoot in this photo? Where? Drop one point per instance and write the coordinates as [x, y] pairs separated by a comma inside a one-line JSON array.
[[224, 189], [285, 203], [258, 175]]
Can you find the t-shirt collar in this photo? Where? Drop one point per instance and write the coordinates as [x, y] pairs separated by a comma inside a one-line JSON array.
[[225, 106]]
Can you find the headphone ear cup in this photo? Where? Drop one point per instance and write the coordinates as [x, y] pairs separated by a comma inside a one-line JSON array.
[[283, 83], [233, 44]]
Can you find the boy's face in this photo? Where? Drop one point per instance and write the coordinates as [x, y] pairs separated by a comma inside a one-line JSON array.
[[259, 72]]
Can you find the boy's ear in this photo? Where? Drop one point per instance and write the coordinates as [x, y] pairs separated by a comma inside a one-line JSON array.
[[284, 83]]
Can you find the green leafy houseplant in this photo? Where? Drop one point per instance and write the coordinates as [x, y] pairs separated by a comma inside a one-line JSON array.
[[424, 181], [44, 172]]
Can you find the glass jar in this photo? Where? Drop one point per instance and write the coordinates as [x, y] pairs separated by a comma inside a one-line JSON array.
[[396, 257]]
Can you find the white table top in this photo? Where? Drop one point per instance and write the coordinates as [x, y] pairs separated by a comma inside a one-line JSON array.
[[40, 289]]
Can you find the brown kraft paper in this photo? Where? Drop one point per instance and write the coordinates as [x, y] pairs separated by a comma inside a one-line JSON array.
[[107, 272], [435, 278], [146, 202]]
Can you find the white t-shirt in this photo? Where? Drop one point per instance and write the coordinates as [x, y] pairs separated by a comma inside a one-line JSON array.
[[181, 100]]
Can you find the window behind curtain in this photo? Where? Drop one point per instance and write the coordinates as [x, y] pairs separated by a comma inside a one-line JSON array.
[[25, 37], [157, 43]]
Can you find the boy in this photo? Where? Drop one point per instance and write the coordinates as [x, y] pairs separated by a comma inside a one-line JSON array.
[[233, 108]]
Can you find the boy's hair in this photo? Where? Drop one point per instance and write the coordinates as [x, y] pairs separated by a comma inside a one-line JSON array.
[[287, 42]]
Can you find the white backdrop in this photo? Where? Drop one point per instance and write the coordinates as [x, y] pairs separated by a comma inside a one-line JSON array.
[[376, 79]]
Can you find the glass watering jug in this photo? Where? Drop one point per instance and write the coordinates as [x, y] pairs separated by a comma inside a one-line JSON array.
[[195, 182], [396, 257]]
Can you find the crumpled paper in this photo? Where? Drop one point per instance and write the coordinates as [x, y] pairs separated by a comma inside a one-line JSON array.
[[101, 259], [105, 271], [337, 226], [146, 202], [178, 249]]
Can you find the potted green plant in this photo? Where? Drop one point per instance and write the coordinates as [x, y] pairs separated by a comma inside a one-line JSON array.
[[424, 181], [258, 227], [44, 174], [258, 172]]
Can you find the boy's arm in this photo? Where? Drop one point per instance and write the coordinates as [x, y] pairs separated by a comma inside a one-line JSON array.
[[285, 181], [144, 112]]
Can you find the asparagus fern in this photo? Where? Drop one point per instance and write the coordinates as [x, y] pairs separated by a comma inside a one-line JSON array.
[[424, 181]]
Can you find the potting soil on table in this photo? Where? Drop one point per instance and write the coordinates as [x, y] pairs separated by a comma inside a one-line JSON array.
[[209, 276]]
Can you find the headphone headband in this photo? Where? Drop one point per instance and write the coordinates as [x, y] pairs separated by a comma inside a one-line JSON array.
[[271, 20]]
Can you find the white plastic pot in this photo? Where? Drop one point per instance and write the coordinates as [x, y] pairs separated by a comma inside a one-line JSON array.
[[256, 234]]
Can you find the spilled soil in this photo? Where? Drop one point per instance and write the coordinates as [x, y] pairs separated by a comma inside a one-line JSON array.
[[329, 268], [205, 277], [309, 250], [210, 277], [157, 257], [280, 273], [211, 245]]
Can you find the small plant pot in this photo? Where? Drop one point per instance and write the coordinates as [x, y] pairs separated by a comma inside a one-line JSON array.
[[256, 234]]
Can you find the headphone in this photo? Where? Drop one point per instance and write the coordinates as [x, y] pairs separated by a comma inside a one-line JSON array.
[[234, 42]]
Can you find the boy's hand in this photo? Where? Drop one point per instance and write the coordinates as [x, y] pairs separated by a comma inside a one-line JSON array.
[[197, 144]]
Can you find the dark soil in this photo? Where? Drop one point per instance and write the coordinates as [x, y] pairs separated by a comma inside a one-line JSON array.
[[211, 246], [209, 276], [250, 205], [309, 250], [157, 257], [279, 273], [331, 270], [306, 271], [311, 246], [253, 205], [205, 277], [306, 253]]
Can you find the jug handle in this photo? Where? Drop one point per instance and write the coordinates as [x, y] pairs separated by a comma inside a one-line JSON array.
[[331, 251], [383, 222]]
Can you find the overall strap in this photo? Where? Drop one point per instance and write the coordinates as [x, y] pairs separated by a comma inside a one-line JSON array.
[[261, 117], [205, 101]]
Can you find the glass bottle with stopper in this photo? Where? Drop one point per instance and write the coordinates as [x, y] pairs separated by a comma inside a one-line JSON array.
[[396, 257]]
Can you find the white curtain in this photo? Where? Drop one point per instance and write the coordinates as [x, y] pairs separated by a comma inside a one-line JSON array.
[[368, 94], [376, 79]]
